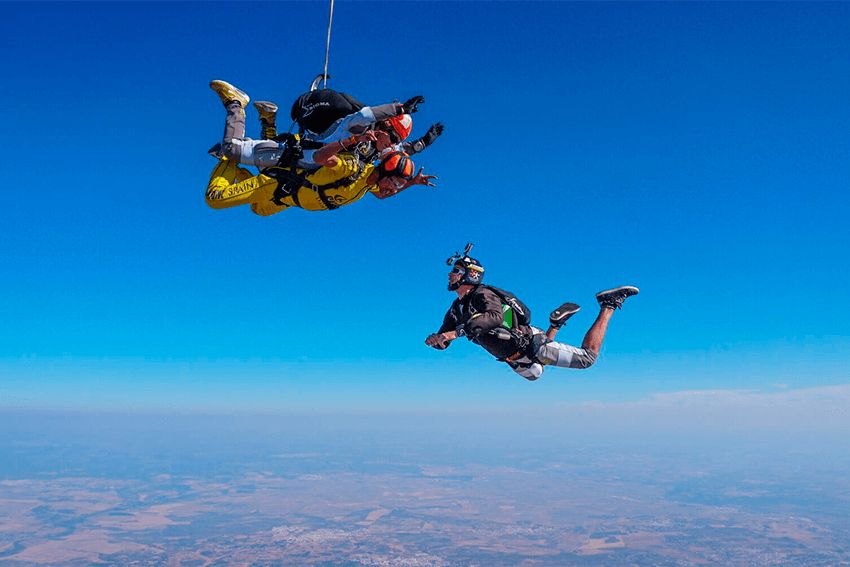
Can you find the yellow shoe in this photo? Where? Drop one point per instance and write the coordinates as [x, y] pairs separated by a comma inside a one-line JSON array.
[[267, 110], [229, 93], [268, 113]]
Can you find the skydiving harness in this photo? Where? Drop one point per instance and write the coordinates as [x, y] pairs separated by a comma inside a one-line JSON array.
[[523, 346], [515, 313], [290, 181]]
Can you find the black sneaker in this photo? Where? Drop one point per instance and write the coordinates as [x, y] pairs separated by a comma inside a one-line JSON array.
[[215, 151], [614, 298], [559, 316]]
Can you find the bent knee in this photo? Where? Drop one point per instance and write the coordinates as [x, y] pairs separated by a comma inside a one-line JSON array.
[[530, 372], [232, 150], [217, 205], [266, 209], [584, 359]]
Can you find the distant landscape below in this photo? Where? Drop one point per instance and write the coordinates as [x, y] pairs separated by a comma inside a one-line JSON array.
[[81, 488]]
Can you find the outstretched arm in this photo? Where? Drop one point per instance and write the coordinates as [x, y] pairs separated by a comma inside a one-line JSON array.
[[418, 145], [384, 111], [419, 179], [440, 341], [488, 318], [371, 114]]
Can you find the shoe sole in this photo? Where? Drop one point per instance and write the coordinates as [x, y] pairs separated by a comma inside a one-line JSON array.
[[623, 288], [560, 315]]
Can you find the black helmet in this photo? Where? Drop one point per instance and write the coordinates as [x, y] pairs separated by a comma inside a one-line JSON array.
[[473, 271]]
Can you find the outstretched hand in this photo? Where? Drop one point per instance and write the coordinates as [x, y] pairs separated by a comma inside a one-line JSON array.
[[437, 341], [433, 133], [409, 107], [423, 179]]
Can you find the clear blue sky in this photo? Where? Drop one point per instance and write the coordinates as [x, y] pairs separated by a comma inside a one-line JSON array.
[[697, 150]]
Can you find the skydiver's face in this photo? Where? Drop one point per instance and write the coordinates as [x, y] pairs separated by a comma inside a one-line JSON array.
[[456, 274], [391, 183], [383, 140], [385, 126]]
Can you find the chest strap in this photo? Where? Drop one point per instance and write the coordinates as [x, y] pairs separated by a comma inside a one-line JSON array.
[[289, 182]]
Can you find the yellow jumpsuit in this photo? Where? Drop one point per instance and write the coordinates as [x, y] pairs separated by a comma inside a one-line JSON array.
[[231, 186]]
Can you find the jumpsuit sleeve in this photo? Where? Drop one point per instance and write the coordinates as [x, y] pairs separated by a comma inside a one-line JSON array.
[[355, 123], [488, 313], [384, 111], [367, 116], [450, 321], [414, 147], [346, 165], [410, 148]]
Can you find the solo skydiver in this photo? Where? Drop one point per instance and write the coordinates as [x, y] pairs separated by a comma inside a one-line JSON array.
[[497, 321]]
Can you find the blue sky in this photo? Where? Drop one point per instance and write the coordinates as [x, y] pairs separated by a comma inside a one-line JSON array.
[[696, 150]]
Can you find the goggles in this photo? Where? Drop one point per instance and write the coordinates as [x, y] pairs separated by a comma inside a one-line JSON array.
[[397, 165]]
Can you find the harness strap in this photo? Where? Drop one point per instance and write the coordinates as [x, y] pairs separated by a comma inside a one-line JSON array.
[[524, 347], [323, 197], [336, 184], [514, 356], [321, 189], [290, 182], [294, 196]]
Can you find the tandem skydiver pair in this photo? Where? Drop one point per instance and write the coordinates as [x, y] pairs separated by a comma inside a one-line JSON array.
[[343, 151]]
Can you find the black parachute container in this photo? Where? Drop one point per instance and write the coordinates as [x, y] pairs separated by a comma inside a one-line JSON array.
[[318, 109]]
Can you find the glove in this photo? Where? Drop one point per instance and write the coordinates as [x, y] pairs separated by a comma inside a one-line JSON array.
[[409, 107], [433, 133]]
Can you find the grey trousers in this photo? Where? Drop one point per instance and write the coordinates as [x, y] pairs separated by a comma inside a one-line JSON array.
[[236, 147], [552, 353]]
